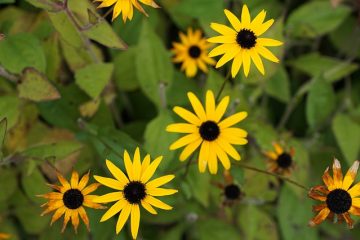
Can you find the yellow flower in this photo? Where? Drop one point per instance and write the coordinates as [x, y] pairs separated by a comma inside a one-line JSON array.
[[126, 7], [133, 190], [206, 130], [338, 197], [4, 236], [69, 199], [192, 52], [280, 161], [242, 42]]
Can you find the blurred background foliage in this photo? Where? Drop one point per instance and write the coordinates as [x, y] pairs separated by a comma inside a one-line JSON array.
[[72, 96]]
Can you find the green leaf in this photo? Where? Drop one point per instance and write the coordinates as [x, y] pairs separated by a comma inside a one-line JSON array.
[[155, 133], [28, 215], [47, 5], [153, 64], [125, 70], [7, 1], [215, 229], [93, 78], [59, 150], [8, 183], [34, 185], [315, 18], [35, 86], [66, 28], [347, 134], [199, 184], [294, 214], [278, 86], [320, 102], [9, 109], [103, 33], [331, 69], [20, 51], [3, 128], [259, 226]]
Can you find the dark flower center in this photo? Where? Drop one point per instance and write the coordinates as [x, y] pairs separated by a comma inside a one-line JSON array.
[[73, 199], [209, 131], [339, 201], [232, 192], [134, 192], [194, 51], [284, 160], [246, 38]]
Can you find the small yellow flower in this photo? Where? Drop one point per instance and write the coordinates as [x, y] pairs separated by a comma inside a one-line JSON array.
[[4, 236], [280, 161], [192, 52], [206, 130], [133, 190], [338, 197], [242, 42], [69, 199], [126, 7]]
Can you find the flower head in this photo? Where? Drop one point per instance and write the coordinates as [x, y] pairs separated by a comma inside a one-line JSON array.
[[70, 198], [243, 42], [206, 130], [134, 189], [192, 52], [126, 7], [338, 197], [279, 160]]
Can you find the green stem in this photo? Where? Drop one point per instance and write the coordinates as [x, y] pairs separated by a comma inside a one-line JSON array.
[[272, 174], [226, 79]]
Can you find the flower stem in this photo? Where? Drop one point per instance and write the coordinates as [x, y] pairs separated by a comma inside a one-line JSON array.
[[272, 174], [226, 79]]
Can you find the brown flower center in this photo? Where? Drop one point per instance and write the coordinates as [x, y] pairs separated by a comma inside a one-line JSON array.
[[339, 201], [246, 38], [73, 199]]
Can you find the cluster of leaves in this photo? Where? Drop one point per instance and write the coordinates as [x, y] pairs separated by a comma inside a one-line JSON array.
[[71, 97]]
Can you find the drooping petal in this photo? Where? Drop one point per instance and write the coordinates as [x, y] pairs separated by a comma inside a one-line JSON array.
[[223, 157], [84, 217], [58, 213], [257, 61], [148, 207], [322, 215]]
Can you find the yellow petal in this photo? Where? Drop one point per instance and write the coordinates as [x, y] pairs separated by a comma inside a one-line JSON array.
[[189, 149], [149, 172], [204, 156], [245, 17], [109, 197], [124, 215], [228, 149], [320, 217], [148, 207], [128, 166], [350, 175], [145, 163], [328, 180], [222, 49], [58, 213], [355, 190], [157, 192], [107, 3], [235, 22], [264, 27], [236, 65], [157, 203], [159, 181], [338, 177], [246, 62], [268, 42], [232, 120], [84, 181], [257, 61], [74, 179], [197, 106], [66, 219], [84, 217], [109, 182], [114, 209], [210, 105], [75, 220], [137, 165], [258, 20], [63, 181], [223, 29], [189, 138], [187, 116], [135, 220], [182, 128], [223, 39], [224, 159], [227, 57], [212, 162], [221, 108], [90, 188], [116, 172], [264, 52]]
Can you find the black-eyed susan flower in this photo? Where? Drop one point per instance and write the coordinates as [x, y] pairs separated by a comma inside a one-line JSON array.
[[280, 161], [243, 42], [192, 52], [134, 189], [4, 236], [231, 191], [70, 198], [206, 130], [126, 7], [338, 197]]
